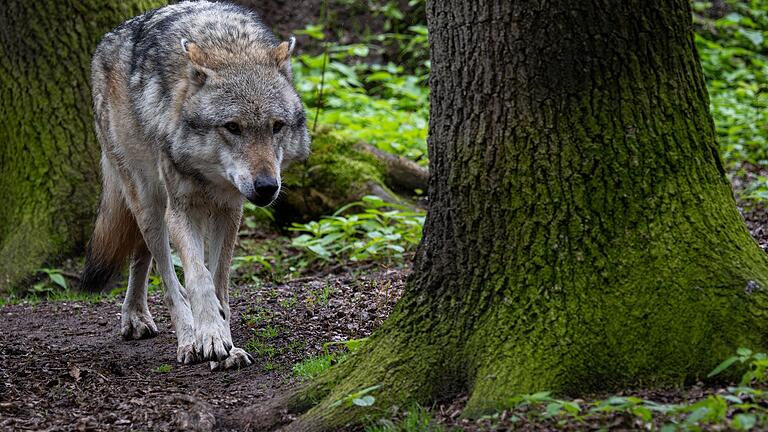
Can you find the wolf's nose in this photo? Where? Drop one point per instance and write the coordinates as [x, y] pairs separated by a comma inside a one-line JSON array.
[[265, 188]]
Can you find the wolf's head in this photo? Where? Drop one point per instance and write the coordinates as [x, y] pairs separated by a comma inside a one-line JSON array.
[[242, 118]]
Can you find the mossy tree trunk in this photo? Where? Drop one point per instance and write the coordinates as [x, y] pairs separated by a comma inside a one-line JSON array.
[[581, 235], [48, 151]]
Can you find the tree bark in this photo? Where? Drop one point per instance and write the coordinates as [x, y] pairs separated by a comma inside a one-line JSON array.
[[581, 234], [49, 157]]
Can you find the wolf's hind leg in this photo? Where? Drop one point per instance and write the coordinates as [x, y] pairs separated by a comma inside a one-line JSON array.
[[136, 320]]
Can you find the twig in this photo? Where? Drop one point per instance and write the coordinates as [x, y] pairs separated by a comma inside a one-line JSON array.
[[324, 14]]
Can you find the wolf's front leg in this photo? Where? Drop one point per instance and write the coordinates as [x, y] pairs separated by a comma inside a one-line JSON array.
[[213, 340], [149, 210], [223, 226]]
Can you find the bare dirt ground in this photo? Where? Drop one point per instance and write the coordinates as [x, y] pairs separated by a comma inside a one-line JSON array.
[[63, 366]]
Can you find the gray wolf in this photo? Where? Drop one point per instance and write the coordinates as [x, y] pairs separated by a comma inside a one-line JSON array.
[[195, 110]]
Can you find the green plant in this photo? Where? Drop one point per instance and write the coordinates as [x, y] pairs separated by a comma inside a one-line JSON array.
[[737, 408], [756, 365], [383, 230], [272, 260], [289, 302], [415, 419], [360, 398], [379, 104], [255, 315], [270, 332], [163, 368], [734, 57], [320, 297], [314, 366], [259, 348]]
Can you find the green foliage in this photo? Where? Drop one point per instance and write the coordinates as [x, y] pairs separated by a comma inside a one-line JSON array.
[[314, 366], [415, 419], [270, 332], [163, 368], [319, 297], [382, 230], [56, 277], [366, 230], [737, 408], [53, 286], [756, 366], [380, 104], [289, 303], [361, 398], [733, 54], [260, 348], [272, 260], [256, 315]]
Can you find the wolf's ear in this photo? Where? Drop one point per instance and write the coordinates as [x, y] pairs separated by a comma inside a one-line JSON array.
[[282, 54], [199, 70]]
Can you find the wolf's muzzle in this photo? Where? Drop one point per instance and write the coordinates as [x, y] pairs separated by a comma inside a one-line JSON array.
[[264, 190]]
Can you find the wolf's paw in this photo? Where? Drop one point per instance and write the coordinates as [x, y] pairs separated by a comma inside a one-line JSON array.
[[137, 325], [185, 354], [237, 359], [212, 341]]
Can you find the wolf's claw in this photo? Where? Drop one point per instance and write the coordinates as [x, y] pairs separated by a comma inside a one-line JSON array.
[[186, 354], [213, 342], [237, 359], [137, 325]]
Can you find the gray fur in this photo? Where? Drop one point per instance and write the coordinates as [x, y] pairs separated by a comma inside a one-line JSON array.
[[193, 103]]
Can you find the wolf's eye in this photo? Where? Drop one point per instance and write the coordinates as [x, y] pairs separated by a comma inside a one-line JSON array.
[[277, 127], [233, 128]]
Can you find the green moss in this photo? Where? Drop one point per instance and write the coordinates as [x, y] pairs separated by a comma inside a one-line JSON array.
[[336, 165], [337, 172]]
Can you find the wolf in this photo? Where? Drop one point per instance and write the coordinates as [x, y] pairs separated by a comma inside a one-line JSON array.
[[195, 111]]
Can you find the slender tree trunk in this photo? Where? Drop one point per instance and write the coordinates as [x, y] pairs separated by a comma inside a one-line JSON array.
[[48, 151], [581, 235]]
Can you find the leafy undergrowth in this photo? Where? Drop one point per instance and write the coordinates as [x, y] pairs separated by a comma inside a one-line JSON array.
[[333, 353], [382, 231], [741, 407], [386, 104], [363, 234], [734, 56]]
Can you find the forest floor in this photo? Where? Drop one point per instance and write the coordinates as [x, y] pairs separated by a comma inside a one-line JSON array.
[[63, 365]]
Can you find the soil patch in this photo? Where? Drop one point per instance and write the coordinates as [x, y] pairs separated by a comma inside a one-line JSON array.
[[63, 366]]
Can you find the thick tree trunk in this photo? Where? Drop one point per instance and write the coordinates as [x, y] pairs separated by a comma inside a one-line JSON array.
[[49, 155], [581, 234]]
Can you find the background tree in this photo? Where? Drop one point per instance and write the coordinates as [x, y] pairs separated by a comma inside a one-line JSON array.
[[581, 234], [49, 158]]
